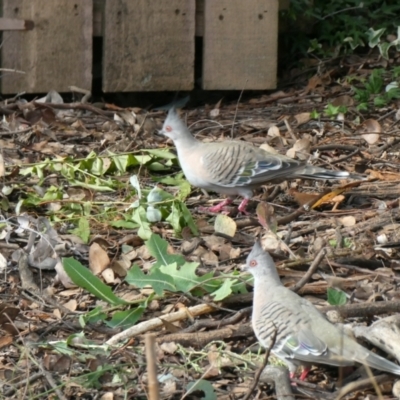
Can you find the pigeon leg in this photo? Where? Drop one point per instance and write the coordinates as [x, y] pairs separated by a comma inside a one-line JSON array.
[[218, 208], [304, 374], [242, 207]]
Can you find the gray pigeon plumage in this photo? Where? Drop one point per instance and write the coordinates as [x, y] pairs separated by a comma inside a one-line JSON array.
[[234, 168], [304, 335]]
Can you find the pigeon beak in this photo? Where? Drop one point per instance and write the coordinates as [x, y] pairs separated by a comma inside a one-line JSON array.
[[243, 267]]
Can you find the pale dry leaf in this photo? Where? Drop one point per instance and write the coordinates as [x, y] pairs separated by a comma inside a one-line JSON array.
[[108, 275], [273, 131], [344, 100], [214, 113], [69, 292], [2, 168], [382, 239], [234, 253], [63, 277], [107, 396], [214, 242], [169, 347], [71, 305], [291, 153], [120, 267], [302, 149], [210, 258], [370, 130], [259, 124], [98, 259], [268, 148], [225, 224], [349, 220], [302, 118], [3, 263], [383, 175]]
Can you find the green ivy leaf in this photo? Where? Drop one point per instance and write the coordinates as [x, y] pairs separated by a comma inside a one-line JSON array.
[[139, 216], [336, 297], [185, 277], [128, 318], [225, 290], [155, 278], [158, 249]]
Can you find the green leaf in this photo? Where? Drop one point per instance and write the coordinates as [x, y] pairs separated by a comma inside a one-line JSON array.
[[124, 224], [225, 290], [187, 216], [374, 37], [83, 278], [139, 216], [336, 297], [204, 386], [83, 230], [128, 318], [92, 317], [155, 278], [165, 154], [158, 249], [185, 277]]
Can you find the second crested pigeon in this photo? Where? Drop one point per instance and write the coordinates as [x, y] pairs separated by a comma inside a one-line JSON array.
[[304, 335]]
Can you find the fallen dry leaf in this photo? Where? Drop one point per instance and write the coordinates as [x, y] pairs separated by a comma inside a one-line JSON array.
[[370, 130], [225, 224], [98, 259]]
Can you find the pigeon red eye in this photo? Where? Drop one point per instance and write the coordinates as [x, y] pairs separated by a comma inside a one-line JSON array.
[[168, 128], [253, 263]]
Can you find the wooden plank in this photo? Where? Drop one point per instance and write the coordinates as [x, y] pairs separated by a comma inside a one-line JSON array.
[[148, 45], [240, 44], [13, 24], [283, 5], [56, 53]]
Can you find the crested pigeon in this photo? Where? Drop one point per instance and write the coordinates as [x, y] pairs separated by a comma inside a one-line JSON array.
[[233, 167], [304, 336]]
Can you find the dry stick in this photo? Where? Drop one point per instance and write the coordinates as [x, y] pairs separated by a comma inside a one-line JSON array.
[[201, 339], [364, 309], [9, 391], [236, 110], [311, 270], [261, 369], [154, 393], [157, 322], [362, 384]]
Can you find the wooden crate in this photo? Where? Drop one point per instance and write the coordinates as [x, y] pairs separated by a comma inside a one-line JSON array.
[[240, 44], [55, 54], [147, 45]]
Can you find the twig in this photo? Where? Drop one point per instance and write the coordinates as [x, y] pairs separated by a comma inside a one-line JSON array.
[[236, 110], [364, 309], [201, 339], [311, 270], [154, 393], [362, 385], [9, 391], [259, 372], [278, 374], [219, 323], [157, 322]]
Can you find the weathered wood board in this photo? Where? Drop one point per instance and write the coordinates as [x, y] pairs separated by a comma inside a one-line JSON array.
[[55, 54], [148, 45], [240, 44]]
